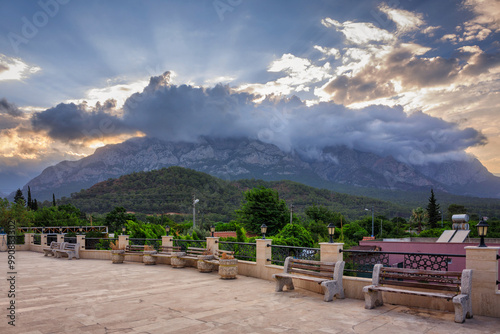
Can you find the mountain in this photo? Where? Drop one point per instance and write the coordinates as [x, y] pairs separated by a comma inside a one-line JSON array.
[[230, 159]]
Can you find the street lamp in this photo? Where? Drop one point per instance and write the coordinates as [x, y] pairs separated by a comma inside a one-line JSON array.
[[482, 229], [331, 231], [195, 200], [167, 229], [372, 219], [263, 230], [124, 229], [80, 229], [212, 229]]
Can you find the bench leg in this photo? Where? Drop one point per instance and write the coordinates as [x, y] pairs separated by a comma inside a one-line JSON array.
[[331, 289], [463, 308], [283, 281], [372, 298]]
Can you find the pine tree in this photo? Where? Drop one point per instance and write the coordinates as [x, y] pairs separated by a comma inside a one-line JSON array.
[[433, 211], [19, 197]]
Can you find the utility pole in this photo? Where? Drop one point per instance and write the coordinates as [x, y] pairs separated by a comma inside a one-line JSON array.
[[291, 214], [195, 200], [373, 221]]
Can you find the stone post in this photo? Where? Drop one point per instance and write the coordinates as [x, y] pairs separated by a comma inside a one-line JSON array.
[[43, 239], [485, 295], [213, 244], [28, 238], [330, 252], [80, 238], [60, 238], [167, 240], [263, 253], [122, 241]]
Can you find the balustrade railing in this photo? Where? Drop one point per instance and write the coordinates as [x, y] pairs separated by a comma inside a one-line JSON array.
[[71, 240], [360, 263], [280, 253], [184, 244], [37, 239], [51, 237], [19, 239], [242, 250]]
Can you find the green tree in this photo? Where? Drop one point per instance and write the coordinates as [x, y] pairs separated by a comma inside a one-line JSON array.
[[30, 203], [117, 218], [354, 231], [263, 206], [419, 217], [433, 211], [18, 197], [53, 199], [294, 235]]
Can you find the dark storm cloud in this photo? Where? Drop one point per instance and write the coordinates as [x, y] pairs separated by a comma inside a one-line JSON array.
[[9, 108], [69, 121], [183, 113]]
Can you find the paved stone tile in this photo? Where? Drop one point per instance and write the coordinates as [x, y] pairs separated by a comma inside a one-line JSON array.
[[92, 296]]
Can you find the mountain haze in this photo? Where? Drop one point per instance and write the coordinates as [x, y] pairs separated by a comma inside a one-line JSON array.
[[242, 158]]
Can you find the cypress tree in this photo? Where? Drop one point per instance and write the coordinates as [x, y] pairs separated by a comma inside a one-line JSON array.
[[19, 197], [53, 199], [433, 211], [30, 204]]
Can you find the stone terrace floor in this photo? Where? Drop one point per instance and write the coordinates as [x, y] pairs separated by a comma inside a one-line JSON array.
[[95, 296]]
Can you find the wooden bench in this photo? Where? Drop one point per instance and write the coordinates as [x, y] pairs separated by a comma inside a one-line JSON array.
[[51, 249], [71, 250], [134, 249], [456, 284], [193, 252], [328, 274], [166, 251], [218, 254]]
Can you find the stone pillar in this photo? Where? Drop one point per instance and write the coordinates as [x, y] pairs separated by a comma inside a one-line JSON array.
[[60, 238], [330, 252], [263, 253], [213, 244], [122, 241], [43, 239], [28, 238], [80, 238], [167, 240], [485, 296]]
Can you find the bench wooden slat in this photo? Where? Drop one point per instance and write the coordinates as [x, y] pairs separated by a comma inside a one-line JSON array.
[[421, 285], [421, 271], [318, 268], [305, 278], [310, 273], [413, 292], [312, 262]]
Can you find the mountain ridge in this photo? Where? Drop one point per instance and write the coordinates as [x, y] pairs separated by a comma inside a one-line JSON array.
[[243, 158]]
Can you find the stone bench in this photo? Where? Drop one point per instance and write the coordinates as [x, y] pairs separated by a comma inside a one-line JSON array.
[[68, 249], [453, 285], [327, 274], [51, 249]]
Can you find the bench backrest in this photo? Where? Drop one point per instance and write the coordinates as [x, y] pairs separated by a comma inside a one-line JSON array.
[[170, 249], [331, 270], [455, 281], [219, 252], [194, 251], [134, 248], [56, 245], [69, 246]]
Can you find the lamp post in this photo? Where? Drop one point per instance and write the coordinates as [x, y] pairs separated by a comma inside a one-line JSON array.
[[482, 229], [80, 229], [195, 200], [331, 231], [124, 229], [373, 221], [167, 229], [212, 230], [263, 230]]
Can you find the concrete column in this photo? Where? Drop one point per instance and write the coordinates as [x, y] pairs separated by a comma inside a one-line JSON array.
[[330, 252], [122, 241], [60, 238], [28, 238], [263, 251], [80, 238], [213, 244], [485, 295], [167, 240], [43, 239]]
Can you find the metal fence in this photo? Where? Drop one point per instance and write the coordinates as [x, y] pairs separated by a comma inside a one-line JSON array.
[[155, 243], [360, 263], [37, 239], [184, 244], [51, 237], [19, 239], [280, 253], [71, 240], [242, 250], [99, 243]]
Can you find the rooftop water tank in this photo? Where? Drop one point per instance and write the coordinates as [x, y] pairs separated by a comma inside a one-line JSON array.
[[463, 218]]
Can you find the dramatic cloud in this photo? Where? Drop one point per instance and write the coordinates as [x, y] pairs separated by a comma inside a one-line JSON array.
[[184, 113], [71, 122], [15, 69], [9, 108]]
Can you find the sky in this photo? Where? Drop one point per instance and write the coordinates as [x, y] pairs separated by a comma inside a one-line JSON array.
[[417, 80]]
